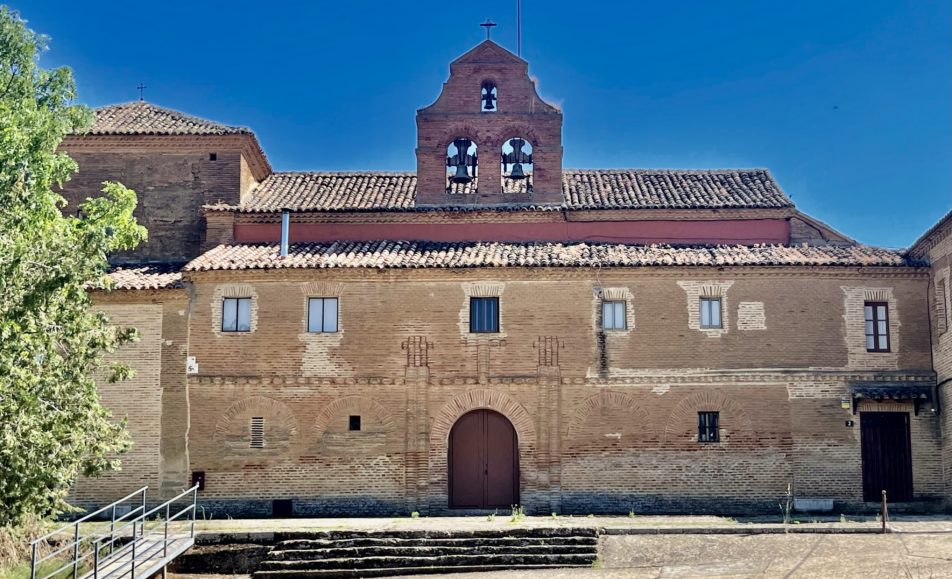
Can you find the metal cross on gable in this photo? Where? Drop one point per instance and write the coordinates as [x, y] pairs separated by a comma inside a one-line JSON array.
[[141, 88], [488, 25]]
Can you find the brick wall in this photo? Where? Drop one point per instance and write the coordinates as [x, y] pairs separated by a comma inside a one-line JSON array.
[[940, 256], [139, 401], [172, 183], [590, 440], [519, 113]]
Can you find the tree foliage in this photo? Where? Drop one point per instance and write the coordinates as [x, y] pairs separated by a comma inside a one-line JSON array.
[[52, 342]]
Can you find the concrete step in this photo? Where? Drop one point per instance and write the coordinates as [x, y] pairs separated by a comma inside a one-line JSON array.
[[511, 560], [434, 550], [419, 534], [385, 541], [393, 572]]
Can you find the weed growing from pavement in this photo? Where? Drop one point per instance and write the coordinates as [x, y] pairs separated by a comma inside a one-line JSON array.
[[518, 514]]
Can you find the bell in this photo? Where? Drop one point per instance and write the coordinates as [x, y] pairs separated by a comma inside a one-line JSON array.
[[462, 174], [517, 173]]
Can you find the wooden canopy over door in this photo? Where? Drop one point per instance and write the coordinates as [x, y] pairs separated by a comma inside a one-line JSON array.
[[887, 456], [483, 462]]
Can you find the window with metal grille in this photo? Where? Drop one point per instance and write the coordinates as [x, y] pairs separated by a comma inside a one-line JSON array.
[[236, 315], [707, 427], [877, 326], [613, 315], [257, 432], [711, 313], [483, 315], [941, 309], [354, 423], [322, 315]]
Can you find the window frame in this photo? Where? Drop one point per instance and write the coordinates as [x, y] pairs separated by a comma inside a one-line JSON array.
[[877, 337], [720, 312], [615, 304], [473, 325], [237, 327], [708, 426], [323, 300]]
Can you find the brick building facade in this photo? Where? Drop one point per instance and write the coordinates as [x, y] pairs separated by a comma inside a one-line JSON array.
[[495, 329]]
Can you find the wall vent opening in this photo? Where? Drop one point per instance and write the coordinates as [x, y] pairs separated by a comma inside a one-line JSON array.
[[282, 508], [257, 432], [354, 423]]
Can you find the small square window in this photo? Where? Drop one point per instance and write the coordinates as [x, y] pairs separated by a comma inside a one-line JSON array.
[[257, 432], [483, 315], [353, 424], [322, 315], [213, 156], [236, 315], [707, 427], [711, 313], [613, 315], [877, 326]]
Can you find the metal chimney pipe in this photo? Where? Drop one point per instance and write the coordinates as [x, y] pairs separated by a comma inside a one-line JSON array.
[[285, 230]]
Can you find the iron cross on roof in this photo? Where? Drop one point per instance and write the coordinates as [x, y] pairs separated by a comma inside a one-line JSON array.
[[141, 88], [488, 25]]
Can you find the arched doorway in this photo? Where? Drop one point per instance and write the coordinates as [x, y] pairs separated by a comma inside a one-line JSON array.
[[483, 462]]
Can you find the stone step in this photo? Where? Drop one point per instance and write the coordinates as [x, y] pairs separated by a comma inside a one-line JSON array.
[[395, 571], [430, 534], [385, 541], [427, 551], [363, 563]]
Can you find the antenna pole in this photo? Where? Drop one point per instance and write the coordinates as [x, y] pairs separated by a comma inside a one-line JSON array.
[[519, 28]]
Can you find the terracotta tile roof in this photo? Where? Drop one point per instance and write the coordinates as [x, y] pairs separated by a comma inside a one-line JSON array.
[[422, 254], [143, 118], [582, 189], [147, 276]]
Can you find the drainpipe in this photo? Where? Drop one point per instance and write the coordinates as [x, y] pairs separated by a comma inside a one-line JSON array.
[[285, 230]]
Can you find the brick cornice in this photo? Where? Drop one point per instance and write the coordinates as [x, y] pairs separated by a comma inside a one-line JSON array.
[[606, 276], [244, 143]]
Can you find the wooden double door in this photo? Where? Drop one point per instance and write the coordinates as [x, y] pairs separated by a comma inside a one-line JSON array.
[[887, 456], [483, 462]]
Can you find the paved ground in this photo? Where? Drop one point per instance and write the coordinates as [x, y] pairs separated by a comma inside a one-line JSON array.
[[920, 548], [761, 556]]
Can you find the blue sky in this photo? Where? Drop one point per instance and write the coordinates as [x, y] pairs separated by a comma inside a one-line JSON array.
[[846, 102]]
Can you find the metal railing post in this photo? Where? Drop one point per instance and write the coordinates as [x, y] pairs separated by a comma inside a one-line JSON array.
[[194, 508], [142, 528], [75, 550], [165, 539], [112, 530], [132, 561], [33, 562], [96, 560]]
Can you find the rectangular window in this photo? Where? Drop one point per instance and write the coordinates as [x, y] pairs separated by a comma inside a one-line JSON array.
[[710, 313], [483, 315], [707, 427], [236, 315], [322, 315], [353, 424], [877, 327], [613, 316], [257, 432]]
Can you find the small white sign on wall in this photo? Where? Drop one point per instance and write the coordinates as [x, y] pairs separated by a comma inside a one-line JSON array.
[[191, 365]]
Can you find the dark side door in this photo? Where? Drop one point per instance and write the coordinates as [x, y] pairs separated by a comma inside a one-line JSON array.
[[887, 456]]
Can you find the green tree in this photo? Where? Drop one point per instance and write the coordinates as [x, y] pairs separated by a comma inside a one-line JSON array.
[[52, 342]]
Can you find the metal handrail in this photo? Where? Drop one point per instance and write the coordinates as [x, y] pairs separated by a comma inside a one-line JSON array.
[[101, 540]]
